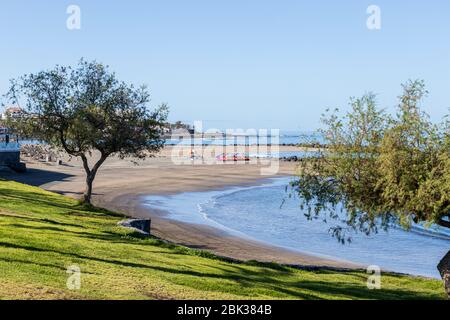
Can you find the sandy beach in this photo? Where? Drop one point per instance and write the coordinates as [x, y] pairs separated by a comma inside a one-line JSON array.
[[120, 186]]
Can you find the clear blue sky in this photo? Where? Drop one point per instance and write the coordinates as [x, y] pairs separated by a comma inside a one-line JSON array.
[[249, 64]]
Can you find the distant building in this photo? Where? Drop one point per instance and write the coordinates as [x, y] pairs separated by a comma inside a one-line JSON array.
[[13, 112], [181, 132]]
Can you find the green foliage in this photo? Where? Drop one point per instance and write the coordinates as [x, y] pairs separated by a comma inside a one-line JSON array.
[[86, 108], [381, 169], [42, 234]]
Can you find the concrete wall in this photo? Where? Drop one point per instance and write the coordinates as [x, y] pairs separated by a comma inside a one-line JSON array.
[[10, 158]]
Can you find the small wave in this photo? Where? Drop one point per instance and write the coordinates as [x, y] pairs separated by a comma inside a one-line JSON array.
[[434, 232], [254, 212]]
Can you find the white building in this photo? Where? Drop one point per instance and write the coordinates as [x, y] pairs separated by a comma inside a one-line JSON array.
[[13, 112]]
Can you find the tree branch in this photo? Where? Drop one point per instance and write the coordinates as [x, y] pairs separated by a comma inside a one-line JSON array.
[[85, 164], [99, 163]]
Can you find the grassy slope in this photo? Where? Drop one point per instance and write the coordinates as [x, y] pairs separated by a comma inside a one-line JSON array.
[[41, 234]]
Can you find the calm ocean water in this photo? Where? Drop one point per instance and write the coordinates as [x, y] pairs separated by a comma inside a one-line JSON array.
[[260, 213], [285, 137]]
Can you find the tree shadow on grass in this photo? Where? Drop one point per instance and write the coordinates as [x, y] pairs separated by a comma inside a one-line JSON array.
[[54, 201], [46, 228], [36, 177], [329, 288], [360, 291], [47, 265], [45, 220], [99, 236], [106, 236], [294, 288]]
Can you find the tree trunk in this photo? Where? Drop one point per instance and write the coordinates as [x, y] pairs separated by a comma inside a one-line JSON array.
[[444, 270], [90, 176], [88, 193]]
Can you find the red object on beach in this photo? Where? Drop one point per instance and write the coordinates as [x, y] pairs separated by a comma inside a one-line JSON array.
[[222, 157], [235, 157]]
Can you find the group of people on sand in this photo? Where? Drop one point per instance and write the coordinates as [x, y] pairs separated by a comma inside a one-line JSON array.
[[226, 157]]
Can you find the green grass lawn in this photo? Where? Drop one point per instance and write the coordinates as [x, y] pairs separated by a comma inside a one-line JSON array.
[[41, 234]]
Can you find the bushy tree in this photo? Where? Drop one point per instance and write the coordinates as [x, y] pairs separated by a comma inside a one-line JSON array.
[[86, 108], [379, 169]]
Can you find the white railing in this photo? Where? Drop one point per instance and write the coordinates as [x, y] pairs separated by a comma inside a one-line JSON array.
[[9, 147]]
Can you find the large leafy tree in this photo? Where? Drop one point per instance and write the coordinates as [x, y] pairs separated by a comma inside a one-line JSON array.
[[84, 109], [377, 169]]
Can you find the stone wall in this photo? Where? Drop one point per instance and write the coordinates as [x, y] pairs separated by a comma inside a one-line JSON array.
[[12, 160], [140, 225], [9, 158]]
